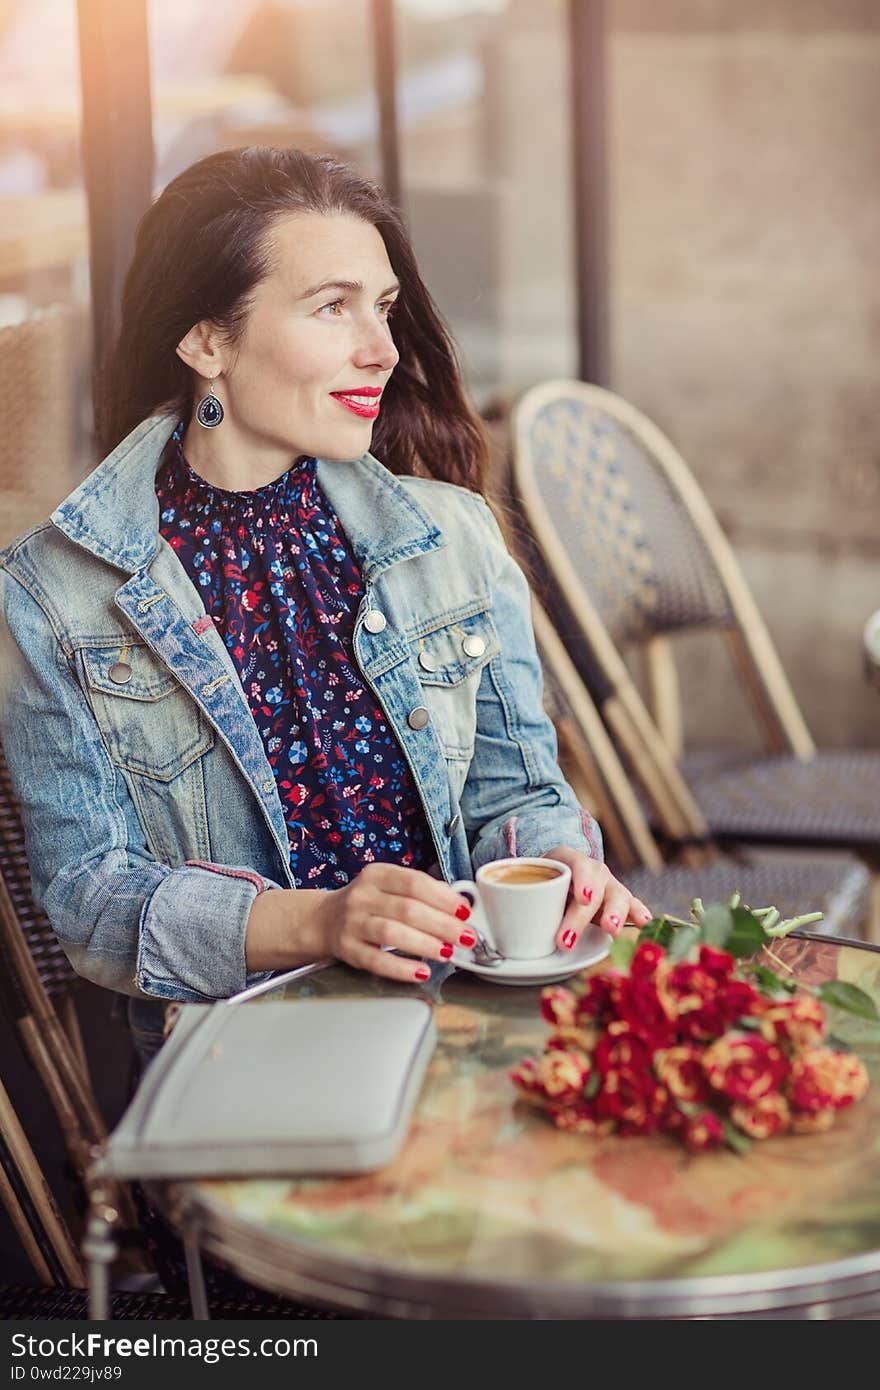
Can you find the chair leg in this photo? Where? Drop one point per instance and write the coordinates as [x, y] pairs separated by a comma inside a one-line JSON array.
[[70, 1023], [21, 1226], [39, 1196]]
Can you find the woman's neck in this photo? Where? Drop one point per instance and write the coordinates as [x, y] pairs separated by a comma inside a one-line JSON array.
[[226, 459]]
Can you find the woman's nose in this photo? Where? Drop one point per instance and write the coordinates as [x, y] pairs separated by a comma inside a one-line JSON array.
[[376, 348]]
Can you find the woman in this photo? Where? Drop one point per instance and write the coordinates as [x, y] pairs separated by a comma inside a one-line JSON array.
[[268, 694]]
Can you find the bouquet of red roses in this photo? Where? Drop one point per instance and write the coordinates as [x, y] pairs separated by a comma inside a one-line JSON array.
[[687, 1034]]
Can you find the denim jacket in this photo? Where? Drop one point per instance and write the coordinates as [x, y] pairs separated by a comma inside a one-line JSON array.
[[151, 814]]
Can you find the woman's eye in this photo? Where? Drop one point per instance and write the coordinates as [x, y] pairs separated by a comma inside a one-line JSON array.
[[335, 304], [387, 307]]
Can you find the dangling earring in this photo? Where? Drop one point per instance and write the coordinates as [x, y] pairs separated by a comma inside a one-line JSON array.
[[210, 411]]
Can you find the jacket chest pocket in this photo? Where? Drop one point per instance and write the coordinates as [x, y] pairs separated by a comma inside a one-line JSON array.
[[150, 725], [449, 661]]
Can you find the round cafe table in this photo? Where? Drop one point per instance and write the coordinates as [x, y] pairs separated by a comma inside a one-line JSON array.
[[489, 1212]]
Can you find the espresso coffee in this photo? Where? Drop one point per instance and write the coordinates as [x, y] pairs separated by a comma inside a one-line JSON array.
[[520, 873]]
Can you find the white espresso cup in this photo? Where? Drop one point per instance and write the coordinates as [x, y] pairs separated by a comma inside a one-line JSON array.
[[519, 904]]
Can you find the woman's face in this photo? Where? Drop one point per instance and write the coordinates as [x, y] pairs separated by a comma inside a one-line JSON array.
[[307, 375]]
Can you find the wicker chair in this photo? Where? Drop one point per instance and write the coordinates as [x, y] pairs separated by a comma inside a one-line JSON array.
[[794, 881], [41, 364], [37, 986], [37, 992], [632, 553]]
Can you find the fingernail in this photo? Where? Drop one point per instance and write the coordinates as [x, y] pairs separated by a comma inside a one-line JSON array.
[[615, 921], [462, 912], [423, 973], [446, 949], [568, 939], [588, 895], [467, 938]]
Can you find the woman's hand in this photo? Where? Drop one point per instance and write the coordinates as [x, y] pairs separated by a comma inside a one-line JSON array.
[[388, 906], [596, 896]]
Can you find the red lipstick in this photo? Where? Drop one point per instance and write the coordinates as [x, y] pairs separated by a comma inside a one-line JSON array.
[[360, 400]]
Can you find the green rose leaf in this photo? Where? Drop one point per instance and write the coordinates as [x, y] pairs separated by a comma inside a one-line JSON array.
[[769, 982], [747, 935], [717, 925], [682, 942], [622, 951], [658, 930], [853, 1000]]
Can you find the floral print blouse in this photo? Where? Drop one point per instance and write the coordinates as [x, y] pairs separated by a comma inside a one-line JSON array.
[[277, 575]]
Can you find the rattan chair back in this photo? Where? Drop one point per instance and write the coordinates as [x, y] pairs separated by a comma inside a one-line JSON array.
[[635, 552]]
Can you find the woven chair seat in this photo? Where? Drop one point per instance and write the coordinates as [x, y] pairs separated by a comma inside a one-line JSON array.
[[835, 884], [833, 799], [55, 1305]]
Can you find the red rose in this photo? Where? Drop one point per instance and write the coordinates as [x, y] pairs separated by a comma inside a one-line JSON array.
[[826, 1080], [681, 1071], [598, 995], [703, 1131], [640, 1006], [563, 1075], [620, 1048], [646, 958], [763, 1118], [719, 964], [526, 1076], [579, 1118], [573, 1039], [633, 1100], [800, 1022], [744, 1067], [558, 1005], [811, 1121]]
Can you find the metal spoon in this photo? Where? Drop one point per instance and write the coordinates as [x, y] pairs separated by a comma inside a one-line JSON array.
[[482, 952]]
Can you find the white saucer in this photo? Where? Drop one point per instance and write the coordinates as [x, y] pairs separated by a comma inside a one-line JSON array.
[[591, 947]]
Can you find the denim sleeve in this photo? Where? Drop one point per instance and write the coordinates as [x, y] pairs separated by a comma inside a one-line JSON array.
[[516, 800], [126, 921]]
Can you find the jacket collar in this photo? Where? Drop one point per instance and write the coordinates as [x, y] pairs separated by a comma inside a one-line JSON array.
[[115, 515]]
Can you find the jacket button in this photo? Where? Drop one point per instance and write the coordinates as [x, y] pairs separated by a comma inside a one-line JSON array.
[[375, 621], [120, 673], [268, 787], [452, 825], [428, 662], [418, 717], [473, 645]]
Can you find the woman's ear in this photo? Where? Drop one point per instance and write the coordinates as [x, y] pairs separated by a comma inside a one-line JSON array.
[[200, 349]]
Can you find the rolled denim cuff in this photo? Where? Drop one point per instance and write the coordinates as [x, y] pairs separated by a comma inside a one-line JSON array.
[[197, 917], [535, 833]]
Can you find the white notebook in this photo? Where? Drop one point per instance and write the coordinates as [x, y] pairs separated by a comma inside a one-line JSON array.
[[323, 1086]]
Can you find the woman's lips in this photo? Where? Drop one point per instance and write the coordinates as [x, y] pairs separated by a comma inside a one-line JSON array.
[[365, 404]]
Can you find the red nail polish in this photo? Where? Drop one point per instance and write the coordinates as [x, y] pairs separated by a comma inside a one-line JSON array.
[[446, 949], [588, 895], [615, 921], [568, 939], [462, 913], [422, 973], [467, 938]]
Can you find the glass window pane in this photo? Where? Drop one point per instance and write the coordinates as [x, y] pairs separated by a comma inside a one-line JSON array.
[[45, 365], [487, 186], [246, 72]]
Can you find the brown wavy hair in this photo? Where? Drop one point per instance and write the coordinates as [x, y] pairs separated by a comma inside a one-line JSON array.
[[201, 250]]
